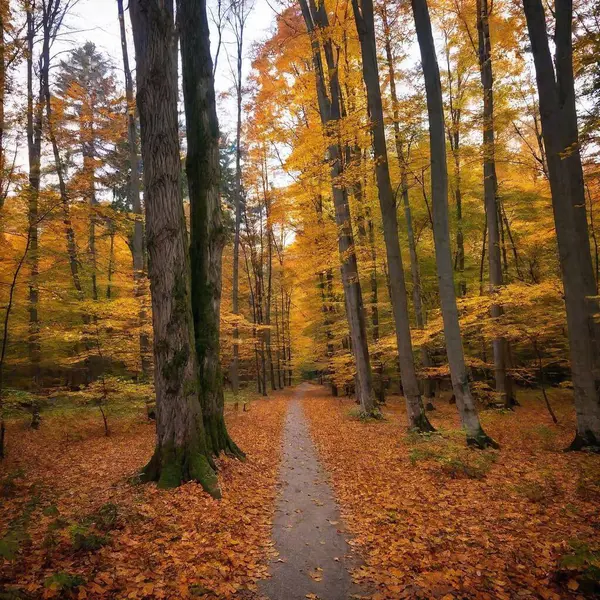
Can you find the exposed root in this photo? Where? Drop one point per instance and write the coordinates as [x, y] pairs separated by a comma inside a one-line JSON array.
[[481, 440], [170, 467], [587, 442]]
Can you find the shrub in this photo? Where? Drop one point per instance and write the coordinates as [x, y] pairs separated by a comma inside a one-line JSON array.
[[63, 582], [84, 539], [104, 519], [579, 568]]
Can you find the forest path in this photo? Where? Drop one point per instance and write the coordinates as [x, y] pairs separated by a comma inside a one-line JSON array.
[[313, 559]]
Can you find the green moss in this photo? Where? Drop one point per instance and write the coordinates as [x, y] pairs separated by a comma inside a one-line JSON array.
[[191, 387], [172, 369], [84, 539], [175, 466], [179, 294], [481, 440], [422, 424], [63, 582], [201, 471]]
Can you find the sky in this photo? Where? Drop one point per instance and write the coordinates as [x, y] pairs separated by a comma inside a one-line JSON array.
[[97, 21]]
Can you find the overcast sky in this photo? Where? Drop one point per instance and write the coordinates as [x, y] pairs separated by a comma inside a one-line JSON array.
[[97, 21]]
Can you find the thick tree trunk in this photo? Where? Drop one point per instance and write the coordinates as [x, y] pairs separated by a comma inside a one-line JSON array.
[[206, 226], [556, 93], [330, 113], [363, 16], [137, 246], [490, 187], [182, 451], [441, 231]]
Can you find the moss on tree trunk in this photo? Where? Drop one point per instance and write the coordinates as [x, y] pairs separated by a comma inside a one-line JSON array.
[[170, 466]]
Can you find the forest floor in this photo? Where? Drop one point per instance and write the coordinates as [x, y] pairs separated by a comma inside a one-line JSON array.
[[425, 516]]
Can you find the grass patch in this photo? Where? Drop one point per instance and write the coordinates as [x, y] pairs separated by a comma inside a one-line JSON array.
[[579, 568], [448, 452]]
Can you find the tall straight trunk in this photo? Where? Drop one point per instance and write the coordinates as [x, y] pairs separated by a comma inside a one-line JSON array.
[[35, 107], [402, 164], [3, 183], [88, 151], [556, 91], [49, 20], [269, 292], [330, 113], [365, 24], [455, 139], [137, 246], [111, 257], [69, 232], [289, 344], [182, 452], [206, 226], [490, 190], [441, 231], [235, 378], [327, 307], [277, 346]]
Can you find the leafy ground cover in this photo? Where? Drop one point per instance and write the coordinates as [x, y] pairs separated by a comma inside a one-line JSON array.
[[74, 523], [433, 519]]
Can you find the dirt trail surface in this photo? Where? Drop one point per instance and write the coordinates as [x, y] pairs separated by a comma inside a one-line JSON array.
[[314, 556]]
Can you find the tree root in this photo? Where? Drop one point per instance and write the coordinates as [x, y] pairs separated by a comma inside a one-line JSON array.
[[481, 441], [170, 467], [586, 442]]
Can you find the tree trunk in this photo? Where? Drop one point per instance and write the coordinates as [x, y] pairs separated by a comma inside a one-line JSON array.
[[556, 93], [490, 187], [441, 231], [48, 27], [330, 113], [454, 131], [235, 378], [402, 158], [111, 257], [3, 174], [207, 234], [363, 16], [137, 246], [35, 106], [269, 293], [182, 452]]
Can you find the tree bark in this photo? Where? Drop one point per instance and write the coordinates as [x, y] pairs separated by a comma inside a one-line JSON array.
[[239, 27], [402, 157], [365, 24], [35, 107], [330, 112], [182, 452], [490, 190], [441, 231], [206, 226], [137, 246], [556, 91]]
